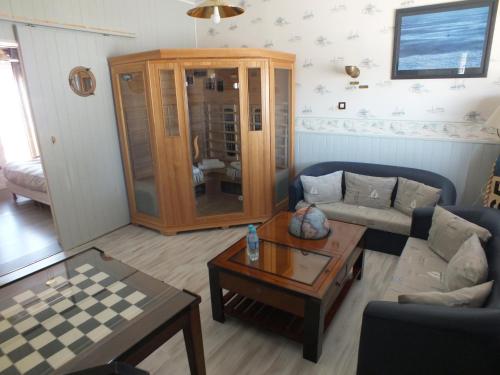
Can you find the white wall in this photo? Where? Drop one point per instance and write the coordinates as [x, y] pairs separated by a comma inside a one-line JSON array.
[[413, 123], [323, 42], [467, 164], [157, 23], [6, 32], [326, 35], [84, 165]]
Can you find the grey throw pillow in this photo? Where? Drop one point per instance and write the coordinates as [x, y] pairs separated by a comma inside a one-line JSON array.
[[323, 189], [474, 296], [468, 267], [369, 191], [448, 232], [412, 194]]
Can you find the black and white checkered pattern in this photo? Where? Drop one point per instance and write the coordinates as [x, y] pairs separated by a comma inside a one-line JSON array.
[[42, 330]]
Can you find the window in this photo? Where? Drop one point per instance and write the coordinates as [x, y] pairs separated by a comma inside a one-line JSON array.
[[17, 132]]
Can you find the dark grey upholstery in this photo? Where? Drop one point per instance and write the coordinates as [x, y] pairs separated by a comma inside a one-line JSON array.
[[423, 339], [391, 243]]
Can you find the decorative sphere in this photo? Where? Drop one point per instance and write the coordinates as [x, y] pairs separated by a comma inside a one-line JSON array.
[[309, 223]]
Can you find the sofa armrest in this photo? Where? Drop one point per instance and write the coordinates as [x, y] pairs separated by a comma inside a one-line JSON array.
[[422, 339], [448, 193], [295, 193]]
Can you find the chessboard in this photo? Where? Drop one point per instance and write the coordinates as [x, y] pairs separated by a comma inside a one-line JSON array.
[[44, 328]]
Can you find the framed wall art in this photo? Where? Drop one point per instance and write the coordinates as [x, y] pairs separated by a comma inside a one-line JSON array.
[[451, 40]]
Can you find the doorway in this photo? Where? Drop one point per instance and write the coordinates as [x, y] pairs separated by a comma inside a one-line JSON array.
[[27, 230], [214, 121]]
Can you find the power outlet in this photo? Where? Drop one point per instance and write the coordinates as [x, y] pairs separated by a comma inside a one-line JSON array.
[[341, 106]]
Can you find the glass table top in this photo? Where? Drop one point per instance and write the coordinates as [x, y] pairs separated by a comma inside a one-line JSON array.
[[65, 312], [287, 262]]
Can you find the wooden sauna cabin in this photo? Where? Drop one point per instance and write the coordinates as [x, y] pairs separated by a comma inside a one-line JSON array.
[[206, 135]]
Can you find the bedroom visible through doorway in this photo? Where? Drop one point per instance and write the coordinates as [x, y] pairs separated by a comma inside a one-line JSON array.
[[27, 230]]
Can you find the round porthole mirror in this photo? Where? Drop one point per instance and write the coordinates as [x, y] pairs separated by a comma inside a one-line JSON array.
[[82, 81]]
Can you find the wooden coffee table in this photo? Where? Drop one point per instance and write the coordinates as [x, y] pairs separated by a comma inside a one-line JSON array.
[[295, 287]]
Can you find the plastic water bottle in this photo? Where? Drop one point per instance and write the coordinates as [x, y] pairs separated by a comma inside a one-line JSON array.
[[252, 244]]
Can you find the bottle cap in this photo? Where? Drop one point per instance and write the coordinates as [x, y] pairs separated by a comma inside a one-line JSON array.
[[251, 228]]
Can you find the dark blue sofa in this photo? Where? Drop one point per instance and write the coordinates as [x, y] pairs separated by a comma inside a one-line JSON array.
[[391, 243], [416, 339]]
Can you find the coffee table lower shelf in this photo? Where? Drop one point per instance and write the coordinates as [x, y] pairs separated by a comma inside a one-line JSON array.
[[275, 320], [264, 316]]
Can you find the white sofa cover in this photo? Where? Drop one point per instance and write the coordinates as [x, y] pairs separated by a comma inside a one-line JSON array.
[[419, 269], [388, 220]]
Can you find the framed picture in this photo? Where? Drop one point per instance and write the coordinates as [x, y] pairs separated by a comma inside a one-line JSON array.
[[451, 40]]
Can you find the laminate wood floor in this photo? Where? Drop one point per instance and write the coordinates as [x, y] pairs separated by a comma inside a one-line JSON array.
[[234, 347], [27, 232]]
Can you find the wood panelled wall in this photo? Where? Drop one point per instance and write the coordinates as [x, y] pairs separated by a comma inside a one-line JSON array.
[[157, 23], [466, 164], [84, 165]]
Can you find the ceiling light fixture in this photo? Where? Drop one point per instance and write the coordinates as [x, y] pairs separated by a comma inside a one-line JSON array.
[[215, 10]]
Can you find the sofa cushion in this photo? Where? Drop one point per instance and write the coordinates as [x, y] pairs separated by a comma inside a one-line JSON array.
[[419, 269], [369, 191], [388, 220], [412, 194], [468, 267], [448, 232], [474, 296], [322, 189]]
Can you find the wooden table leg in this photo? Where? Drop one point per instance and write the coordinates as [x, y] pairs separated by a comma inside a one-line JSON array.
[[194, 342], [314, 320], [216, 295]]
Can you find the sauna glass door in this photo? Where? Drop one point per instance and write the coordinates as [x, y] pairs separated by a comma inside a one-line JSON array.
[[213, 102], [137, 131], [282, 127]]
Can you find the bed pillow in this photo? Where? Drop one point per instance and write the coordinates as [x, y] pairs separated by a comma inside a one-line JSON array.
[[448, 232], [412, 194], [323, 189], [474, 296], [369, 191], [468, 267]]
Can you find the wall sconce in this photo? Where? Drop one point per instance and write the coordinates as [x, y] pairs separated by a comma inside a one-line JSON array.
[[354, 72]]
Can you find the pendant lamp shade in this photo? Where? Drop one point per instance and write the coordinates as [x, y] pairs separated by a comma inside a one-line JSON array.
[[215, 8]]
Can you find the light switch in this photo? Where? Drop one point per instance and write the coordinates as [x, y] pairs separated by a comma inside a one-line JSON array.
[[341, 105]]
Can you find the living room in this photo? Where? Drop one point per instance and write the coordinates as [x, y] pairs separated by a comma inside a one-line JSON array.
[[300, 188]]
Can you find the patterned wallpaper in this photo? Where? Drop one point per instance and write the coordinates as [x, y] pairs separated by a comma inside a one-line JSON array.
[[326, 35]]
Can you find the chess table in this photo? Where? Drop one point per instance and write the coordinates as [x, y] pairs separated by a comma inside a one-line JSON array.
[[90, 310]]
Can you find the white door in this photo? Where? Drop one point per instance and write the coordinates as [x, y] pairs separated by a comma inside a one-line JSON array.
[[77, 135]]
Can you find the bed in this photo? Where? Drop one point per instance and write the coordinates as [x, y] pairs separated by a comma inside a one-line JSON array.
[[26, 178]]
